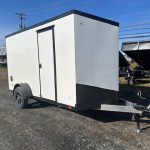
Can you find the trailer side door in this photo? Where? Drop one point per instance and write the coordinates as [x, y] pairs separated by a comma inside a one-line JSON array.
[[47, 66]]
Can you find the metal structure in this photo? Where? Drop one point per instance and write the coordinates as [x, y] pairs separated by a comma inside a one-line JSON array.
[[21, 16]]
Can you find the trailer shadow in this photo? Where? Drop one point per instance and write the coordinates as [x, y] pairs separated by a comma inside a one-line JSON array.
[[102, 116], [108, 117], [130, 93], [146, 128], [35, 104]]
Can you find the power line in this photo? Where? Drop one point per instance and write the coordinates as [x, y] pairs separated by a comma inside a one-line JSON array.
[[55, 6], [45, 6], [135, 33], [2, 39], [134, 29], [85, 2], [21, 16], [135, 25], [132, 14], [132, 37]]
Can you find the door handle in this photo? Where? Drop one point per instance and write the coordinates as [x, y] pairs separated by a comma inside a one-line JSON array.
[[40, 65]]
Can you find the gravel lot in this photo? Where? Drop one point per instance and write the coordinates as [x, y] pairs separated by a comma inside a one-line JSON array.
[[45, 127]]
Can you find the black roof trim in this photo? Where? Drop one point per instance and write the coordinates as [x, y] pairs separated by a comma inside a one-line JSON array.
[[66, 14], [127, 43], [95, 17]]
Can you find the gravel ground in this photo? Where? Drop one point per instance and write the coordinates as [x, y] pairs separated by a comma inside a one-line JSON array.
[[45, 127]]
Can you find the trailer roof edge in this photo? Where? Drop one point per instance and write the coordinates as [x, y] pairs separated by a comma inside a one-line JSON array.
[[66, 14]]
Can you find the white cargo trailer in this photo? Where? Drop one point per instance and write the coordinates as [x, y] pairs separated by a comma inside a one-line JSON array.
[[71, 59]]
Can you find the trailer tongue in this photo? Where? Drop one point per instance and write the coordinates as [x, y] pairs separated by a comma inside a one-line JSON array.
[[137, 109]]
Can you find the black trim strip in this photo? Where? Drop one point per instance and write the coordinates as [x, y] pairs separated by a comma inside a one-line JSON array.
[[124, 43], [39, 64], [137, 50], [96, 18], [66, 14], [46, 29], [54, 57]]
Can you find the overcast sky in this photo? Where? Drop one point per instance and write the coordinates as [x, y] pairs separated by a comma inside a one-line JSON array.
[[126, 12]]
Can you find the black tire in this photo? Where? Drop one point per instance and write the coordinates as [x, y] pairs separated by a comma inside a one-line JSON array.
[[21, 100]]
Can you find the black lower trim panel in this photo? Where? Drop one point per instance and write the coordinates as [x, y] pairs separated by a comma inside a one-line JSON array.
[[89, 97]]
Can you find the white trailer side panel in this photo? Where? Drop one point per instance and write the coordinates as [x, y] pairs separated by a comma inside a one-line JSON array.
[[23, 62], [96, 53], [65, 60], [22, 55]]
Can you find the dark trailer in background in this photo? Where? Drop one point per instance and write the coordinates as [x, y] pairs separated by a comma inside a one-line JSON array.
[[139, 51], [123, 64], [122, 61]]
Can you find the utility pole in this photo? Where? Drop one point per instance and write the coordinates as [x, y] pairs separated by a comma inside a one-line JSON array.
[[21, 16]]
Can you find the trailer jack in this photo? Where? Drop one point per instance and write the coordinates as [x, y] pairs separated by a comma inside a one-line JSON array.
[[136, 118], [139, 130]]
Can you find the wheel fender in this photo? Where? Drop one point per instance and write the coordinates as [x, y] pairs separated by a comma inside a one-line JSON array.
[[26, 89]]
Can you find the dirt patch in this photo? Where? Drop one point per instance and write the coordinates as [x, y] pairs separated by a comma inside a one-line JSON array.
[[3, 76]]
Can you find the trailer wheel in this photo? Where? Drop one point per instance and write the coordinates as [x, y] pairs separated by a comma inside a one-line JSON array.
[[21, 100]]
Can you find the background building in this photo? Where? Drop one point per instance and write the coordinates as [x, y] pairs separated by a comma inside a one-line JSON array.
[[3, 55]]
